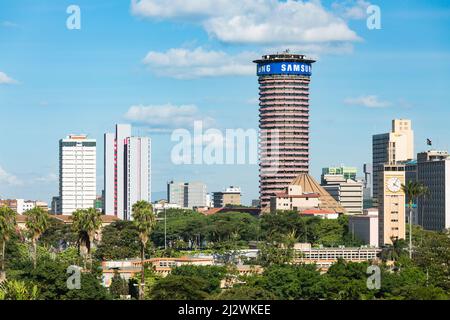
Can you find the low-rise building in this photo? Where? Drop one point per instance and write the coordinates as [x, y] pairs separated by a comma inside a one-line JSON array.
[[294, 199], [365, 227], [230, 197], [127, 269], [256, 203], [160, 206], [250, 210], [304, 194], [320, 213], [20, 206], [326, 257], [349, 173], [349, 193]]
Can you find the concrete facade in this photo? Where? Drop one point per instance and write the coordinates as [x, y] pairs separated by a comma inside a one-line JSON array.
[[77, 173], [231, 196], [347, 192], [284, 126], [365, 227], [392, 201], [127, 171], [294, 199], [187, 195], [390, 148], [433, 171]]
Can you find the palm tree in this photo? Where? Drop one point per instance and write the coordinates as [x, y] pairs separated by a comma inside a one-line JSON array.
[[145, 221], [413, 190], [37, 222], [18, 290], [7, 228], [288, 242], [394, 251], [86, 223]]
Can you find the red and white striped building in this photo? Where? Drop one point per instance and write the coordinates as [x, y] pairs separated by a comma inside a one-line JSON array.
[[284, 121]]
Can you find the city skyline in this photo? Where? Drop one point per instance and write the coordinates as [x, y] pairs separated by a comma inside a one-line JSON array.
[[56, 81]]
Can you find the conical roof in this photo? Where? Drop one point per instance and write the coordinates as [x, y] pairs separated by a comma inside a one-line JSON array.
[[309, 185]]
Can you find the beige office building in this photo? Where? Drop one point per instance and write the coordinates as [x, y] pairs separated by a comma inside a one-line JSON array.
[[230, 197], [390, 148], [391, 204], [347, 192]]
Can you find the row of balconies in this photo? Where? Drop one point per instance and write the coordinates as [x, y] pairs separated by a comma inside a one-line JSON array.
[[276, 110], [282, 115], [264, 93], [280, 81], [280, 126], [292, 102], [283, 133], [282, 147], [277, 120]]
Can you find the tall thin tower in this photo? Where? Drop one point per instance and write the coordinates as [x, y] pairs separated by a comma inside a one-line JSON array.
[[284, 121], [127, 171]]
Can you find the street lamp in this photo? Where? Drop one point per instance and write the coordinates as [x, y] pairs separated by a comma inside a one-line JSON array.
[[165, 228], [165, 224]]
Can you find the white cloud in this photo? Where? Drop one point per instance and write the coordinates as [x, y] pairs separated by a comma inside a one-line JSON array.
[[164, 118], [352, 9], [187, 64], [5, 79], [252, 101], [51, 177], [9, 179], [253, 21], [8, 24], [371, 101]]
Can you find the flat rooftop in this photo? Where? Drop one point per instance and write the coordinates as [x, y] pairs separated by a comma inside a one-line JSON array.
[[285, 56]]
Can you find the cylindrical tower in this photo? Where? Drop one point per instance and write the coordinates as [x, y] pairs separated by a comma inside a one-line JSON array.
[[284, 121]]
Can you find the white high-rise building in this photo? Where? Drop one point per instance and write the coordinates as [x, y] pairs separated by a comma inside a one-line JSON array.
[[77, 173], [127, 171]]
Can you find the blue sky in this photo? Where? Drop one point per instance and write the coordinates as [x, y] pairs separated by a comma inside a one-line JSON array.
[[176, 62]]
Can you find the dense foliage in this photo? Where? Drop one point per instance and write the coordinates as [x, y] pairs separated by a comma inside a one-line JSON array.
[[424, 277]]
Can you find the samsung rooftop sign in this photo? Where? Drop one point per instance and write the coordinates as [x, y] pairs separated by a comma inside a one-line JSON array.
[[289, 68]]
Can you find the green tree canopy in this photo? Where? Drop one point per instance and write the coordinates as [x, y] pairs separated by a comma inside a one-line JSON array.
[[175, 287], [212, 275], [36, 223], [120, 240], [245, 293], [118, 287], [7, 229]]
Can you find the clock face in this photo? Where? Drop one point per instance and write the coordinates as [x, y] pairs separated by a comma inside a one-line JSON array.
[[394, 184]]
